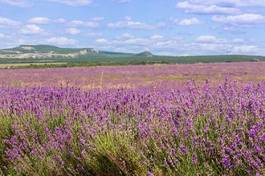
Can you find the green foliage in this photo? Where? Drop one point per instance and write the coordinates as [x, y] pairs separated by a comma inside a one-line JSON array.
[[116, 154], [5, 133]]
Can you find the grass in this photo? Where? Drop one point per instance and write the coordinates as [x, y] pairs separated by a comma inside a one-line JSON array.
[[28, 65], [5, 133], [122, 59], [115, 154]]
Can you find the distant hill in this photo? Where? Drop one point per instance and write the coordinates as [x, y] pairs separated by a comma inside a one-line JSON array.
[[47, 55], [145, 54], [47, 49]]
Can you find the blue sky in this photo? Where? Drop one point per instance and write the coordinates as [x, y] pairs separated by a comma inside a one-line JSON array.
[[170, 27]]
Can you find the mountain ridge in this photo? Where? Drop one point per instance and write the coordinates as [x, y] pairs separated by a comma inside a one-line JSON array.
[[49, 54]]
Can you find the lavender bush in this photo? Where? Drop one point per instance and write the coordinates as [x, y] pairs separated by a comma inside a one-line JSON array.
[[188, 130]]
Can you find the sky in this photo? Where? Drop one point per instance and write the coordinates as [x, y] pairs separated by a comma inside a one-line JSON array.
[[166, 27]]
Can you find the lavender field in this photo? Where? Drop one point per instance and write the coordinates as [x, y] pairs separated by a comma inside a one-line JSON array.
[[132, 76], [201, 119]]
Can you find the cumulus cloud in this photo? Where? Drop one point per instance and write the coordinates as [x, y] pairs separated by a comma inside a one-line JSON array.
[[6, 22], [238, 40], [212, 44], [20, 3], [202, 45], [60, 20], [121, 1], [199, 8], [245, 49], [134, 43], [39, 20], [73, 31], [207, 39], [238, 3], [31, 29], [2, 35], [156, 37], [187, 21], [247, 18], [73, 2], [61, 41], [129, 23], [102, 41], [99, 18], [91, 24]]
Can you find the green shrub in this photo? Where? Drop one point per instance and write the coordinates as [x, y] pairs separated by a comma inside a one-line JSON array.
[[116, 154]]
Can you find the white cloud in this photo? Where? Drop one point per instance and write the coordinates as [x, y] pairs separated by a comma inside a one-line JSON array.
[[73, 31], [238, 40], [211, 44], [61, 41], [93, 34], [91, 24], [31, 29], [245, 49], [60, 20], [191, 7], [98, 18], [134, 43], [39, 20], [126, 36], [121, 1], [207, 39], [6, 22], [202, 45], [20, 3], [73, 2], [2, 35], [187, 21], [238, 3], [156, 37], [102, 41], [247, 18], [129, 23], [249, 2]]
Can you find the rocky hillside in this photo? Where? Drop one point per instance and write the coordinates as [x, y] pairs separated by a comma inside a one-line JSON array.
[[45, 51]]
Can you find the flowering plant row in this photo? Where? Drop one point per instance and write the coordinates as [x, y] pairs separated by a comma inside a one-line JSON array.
[[186, 130]]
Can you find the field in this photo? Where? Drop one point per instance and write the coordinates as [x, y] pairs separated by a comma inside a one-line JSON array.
[[155, 120], [116, 59], [132, 76], [25, 65]]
